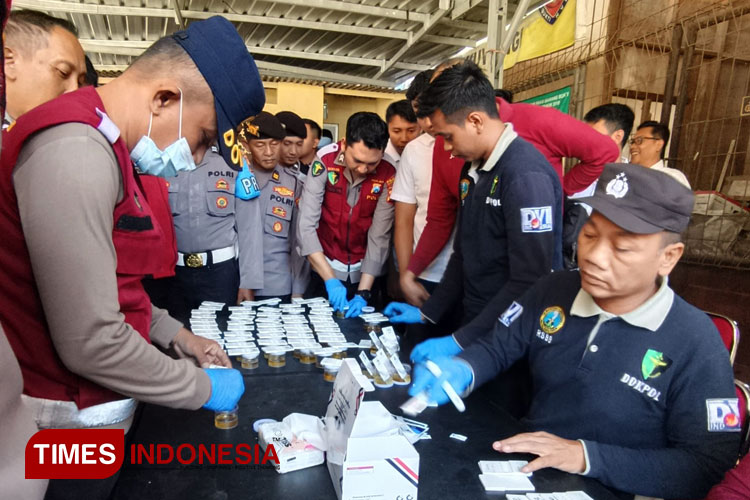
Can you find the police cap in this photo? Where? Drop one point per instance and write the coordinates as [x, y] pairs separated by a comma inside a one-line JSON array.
[[262, 126], [293, 124], [641, 200]]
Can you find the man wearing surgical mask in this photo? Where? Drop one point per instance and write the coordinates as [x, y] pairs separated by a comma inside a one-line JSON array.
[[81, 230]]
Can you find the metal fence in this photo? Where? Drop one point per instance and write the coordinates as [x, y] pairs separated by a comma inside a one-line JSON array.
[[685, 63]]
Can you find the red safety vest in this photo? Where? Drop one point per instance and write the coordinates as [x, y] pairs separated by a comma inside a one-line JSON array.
[[144, 243], [343, 229]]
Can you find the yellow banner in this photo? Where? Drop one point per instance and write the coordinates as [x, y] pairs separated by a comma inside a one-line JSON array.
[[548, 29]]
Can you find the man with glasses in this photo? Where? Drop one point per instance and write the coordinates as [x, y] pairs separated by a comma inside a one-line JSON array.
[[647, 148]]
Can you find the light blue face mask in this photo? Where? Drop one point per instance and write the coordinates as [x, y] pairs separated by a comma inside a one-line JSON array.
[[151, 160]]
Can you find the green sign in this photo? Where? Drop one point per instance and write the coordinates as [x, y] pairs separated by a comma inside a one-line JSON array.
[[558, 99]]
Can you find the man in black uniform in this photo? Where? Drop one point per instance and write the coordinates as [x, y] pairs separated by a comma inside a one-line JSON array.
[[509, 226]]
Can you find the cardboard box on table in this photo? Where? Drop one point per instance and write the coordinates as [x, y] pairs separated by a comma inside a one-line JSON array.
[[367, 456]]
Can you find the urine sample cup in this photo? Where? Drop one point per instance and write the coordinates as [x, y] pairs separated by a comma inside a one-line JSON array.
[[307, 357], [249, 360], [330, 372], [226, 419], [276, 359]]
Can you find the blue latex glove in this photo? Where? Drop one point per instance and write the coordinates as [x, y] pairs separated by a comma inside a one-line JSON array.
[[226, 388], [456, 372], [400, 312], [336, 294], [443, 347], [355, 306]]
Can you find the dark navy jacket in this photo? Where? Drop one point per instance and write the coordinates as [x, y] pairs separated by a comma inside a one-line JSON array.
[[655, 409], [509, 235]]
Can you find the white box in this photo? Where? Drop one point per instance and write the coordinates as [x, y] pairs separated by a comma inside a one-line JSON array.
[[293, 453], [367, 457]]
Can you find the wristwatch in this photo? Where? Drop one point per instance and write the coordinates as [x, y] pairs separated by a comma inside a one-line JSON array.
[[365, 294]]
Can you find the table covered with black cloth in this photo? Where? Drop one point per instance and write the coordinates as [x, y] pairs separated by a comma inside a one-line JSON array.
[[447, 469]]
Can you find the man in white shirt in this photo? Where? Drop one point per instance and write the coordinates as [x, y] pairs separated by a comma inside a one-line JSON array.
[[411, 192], [616, 121], [402, 129], [647, 148]]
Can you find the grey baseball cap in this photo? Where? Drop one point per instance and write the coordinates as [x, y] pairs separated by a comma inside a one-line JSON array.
[[641, 200]]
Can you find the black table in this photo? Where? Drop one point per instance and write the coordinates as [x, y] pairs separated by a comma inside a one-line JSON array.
[[448, 468]]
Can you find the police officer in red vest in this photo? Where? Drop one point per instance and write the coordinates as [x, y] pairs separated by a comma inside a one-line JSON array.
[[346, 214], [80, 232]]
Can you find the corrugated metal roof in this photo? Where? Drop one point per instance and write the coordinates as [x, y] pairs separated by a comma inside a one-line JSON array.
[[367, 44]]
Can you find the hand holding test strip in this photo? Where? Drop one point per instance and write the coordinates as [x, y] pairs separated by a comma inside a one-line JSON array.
[[454, 397], [428, 389]]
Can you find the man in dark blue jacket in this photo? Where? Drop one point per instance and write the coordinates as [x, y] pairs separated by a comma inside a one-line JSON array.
[[631, 384], [509, 225]]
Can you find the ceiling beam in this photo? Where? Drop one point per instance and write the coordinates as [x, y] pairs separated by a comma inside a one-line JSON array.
[[287, 71], [178, 15], [297, 72], [448, 40], [116, 10], [461, 7], [443, 9], [136, 47], [464, 25], [358, 8]]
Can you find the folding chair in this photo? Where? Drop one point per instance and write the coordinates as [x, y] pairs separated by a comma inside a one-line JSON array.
[[743, 396], [729, 332]]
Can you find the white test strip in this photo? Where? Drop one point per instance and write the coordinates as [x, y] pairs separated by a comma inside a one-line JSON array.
[[449, 390], [367, 363], [458, 437]]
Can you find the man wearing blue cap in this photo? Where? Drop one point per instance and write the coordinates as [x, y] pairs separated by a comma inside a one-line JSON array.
[[631, 384], [81, 230]]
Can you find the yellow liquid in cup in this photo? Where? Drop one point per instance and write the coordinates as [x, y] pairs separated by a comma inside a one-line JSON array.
[[249, 363], [226, 420], [339, 355], [307, 359], [276, 360], [330, 375]]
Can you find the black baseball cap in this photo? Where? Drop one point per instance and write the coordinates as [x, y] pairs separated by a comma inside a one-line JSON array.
[[230, 71], [262, 126], [293, 124], [641, 200]]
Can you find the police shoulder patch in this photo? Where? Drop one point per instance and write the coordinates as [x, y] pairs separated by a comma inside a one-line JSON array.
[[464, 188], [552, 319], [317, 168], [511, 314], [723, 415], [536, 219]]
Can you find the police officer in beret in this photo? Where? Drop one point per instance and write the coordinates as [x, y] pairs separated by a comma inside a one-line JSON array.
[[268, 264], [632, 385], [290, 158], [74, 310]]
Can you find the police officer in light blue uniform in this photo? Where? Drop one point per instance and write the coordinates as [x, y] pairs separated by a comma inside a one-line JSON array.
[[269, 266], [295, 134], [203, 210]]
